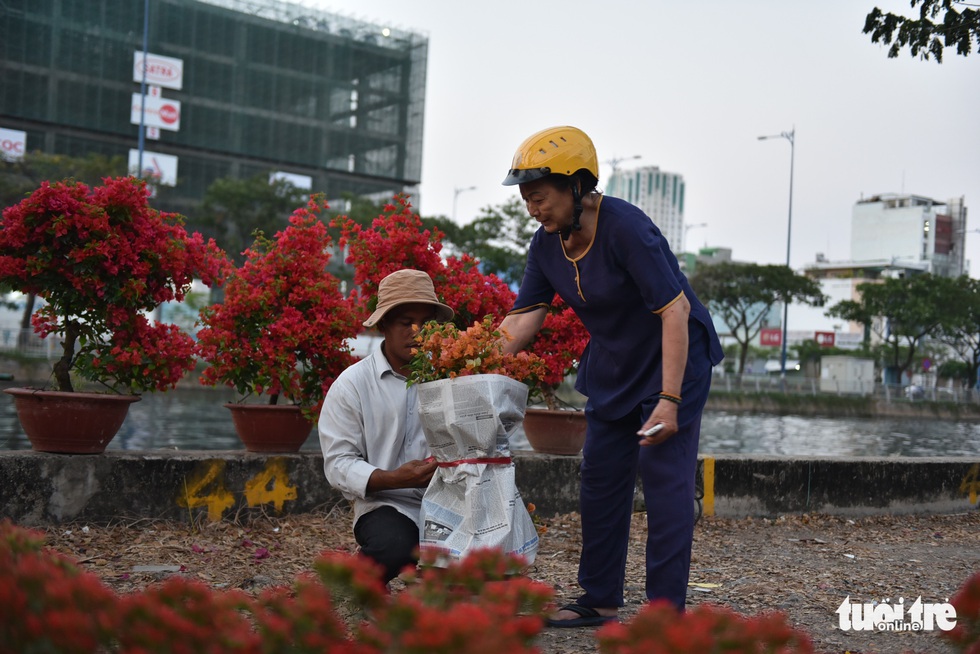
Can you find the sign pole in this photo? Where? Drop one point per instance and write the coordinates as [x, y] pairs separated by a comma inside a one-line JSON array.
[[146, 49]]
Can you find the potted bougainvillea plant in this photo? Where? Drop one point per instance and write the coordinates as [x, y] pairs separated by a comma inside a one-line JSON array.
[[101, 259], [397, 239], [556, 429], [559, 343], [281, 333]]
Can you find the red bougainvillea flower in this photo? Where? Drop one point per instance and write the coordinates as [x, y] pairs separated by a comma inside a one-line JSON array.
[[284, 326], [559, 343], [101, 259], [396, 240], [659, 629]]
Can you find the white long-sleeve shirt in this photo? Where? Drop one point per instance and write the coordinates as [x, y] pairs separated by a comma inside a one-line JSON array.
[[370, 421]]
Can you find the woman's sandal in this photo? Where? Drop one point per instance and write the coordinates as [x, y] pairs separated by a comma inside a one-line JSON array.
[[587, 617]]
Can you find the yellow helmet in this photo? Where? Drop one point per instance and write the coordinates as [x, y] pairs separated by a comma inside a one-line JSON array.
[[559, 150]]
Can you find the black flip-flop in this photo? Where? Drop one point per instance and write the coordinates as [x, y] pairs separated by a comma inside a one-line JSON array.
[[587, 617]]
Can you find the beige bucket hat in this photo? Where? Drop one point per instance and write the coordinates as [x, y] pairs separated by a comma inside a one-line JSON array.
[[407, 287]]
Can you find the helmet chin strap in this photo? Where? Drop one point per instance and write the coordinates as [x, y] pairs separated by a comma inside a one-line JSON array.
[[576, 214]]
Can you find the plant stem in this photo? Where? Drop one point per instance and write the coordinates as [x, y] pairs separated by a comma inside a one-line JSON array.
[[62, 369]]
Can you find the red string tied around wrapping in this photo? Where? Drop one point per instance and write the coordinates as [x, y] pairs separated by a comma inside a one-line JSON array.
[[500, 460]]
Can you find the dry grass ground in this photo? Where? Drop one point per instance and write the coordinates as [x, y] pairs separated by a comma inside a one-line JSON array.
[[802, 565]]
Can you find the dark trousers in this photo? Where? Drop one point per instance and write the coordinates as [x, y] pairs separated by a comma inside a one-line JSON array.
[[389, 538], [611, 460]]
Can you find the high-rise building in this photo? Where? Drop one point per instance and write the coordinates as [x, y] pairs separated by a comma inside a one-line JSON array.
[[235, 88], [659, 194]]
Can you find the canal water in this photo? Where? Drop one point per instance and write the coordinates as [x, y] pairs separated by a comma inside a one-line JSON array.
[[192, 419]]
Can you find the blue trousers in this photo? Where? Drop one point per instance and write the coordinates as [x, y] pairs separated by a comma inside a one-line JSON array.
[[612, 457]]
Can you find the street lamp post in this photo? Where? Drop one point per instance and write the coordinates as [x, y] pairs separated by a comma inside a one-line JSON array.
[[615, 161], [456, 192], [614, 165], [789, 136]]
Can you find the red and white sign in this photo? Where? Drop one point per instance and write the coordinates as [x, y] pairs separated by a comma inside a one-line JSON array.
[[303, 182], [160, 112], [157, 167], [771, 337], [161, 71], [824, 339], [13, 144]]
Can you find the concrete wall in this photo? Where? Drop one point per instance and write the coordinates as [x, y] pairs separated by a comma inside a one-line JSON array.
[[38, 489]]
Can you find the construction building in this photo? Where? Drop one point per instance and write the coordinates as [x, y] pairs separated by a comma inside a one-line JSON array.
[[229, 88]]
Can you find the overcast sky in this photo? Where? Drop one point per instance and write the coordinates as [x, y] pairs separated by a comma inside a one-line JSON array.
[[689, 86]]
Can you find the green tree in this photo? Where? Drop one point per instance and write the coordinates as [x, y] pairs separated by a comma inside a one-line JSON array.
[[960, 325], [21, 177], [958, 371], [743, 294], [901, 312], [498, 238], [234, 209], [940, 25]]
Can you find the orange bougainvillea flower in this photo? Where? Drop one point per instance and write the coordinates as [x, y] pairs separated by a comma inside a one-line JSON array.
[[445, 352]]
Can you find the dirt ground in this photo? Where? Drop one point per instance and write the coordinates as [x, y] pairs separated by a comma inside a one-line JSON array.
[[804, 565]]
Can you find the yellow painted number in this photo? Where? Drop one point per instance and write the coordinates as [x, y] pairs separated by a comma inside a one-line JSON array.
[[206, 487], [270, 486], [971, 483]]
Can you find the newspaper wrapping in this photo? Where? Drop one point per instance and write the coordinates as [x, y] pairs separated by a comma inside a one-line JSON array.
[[472, 501]]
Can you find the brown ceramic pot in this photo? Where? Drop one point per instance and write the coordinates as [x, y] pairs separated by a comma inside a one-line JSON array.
[[270, 427], [555, 432], [70, 423]]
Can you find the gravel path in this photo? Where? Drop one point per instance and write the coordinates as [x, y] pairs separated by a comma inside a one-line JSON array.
[[803, 565]]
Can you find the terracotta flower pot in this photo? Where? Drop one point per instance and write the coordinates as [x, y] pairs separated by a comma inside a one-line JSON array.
[[270, 427], [70, 423], [555, 432]]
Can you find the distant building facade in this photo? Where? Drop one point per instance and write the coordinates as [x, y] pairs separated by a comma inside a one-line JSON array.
[[659, 194], [910, 230], [892, 236], [689, 261], [265, 87]]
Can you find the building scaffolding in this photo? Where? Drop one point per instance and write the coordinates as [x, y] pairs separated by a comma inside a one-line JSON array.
[[268, 86]]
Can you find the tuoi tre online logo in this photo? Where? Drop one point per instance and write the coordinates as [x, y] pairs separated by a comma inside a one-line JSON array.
[[882, 616]]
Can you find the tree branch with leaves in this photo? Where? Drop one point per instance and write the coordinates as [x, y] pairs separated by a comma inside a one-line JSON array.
[[941, 24], [900, 312], [960, 327]]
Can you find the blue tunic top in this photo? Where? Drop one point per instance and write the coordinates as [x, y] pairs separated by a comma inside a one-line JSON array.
[[618, 287]]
